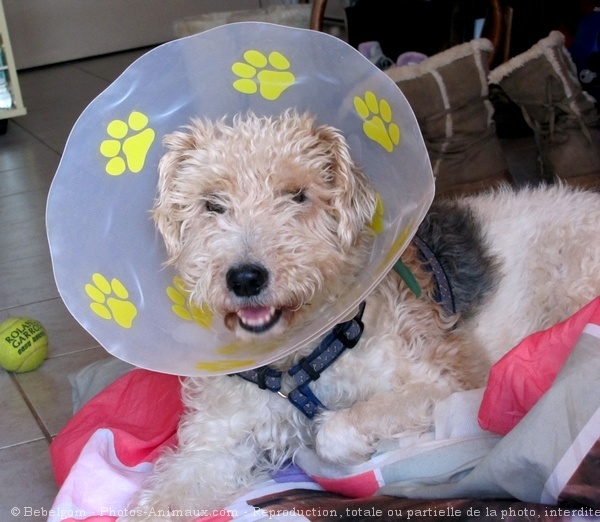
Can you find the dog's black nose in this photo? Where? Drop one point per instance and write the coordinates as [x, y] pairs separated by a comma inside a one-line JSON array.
[[247, 280]]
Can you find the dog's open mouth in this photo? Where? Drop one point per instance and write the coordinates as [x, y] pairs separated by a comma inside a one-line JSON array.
[[258, 319]]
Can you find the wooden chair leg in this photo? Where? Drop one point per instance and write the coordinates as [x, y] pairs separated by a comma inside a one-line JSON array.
[[496, 31], [317, 13]]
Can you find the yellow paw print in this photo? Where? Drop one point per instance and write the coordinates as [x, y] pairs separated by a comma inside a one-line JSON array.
[[107, 306], [254, 77], [378, 123], [186, 310], [377, 219], [129, 145]]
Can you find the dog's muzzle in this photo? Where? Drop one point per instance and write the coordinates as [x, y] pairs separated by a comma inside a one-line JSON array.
[[247, 281]]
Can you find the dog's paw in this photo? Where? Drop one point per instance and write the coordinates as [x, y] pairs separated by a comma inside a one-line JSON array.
[[339, 440]]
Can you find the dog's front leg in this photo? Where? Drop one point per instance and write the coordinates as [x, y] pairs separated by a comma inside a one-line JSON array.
[[216, 456], [349, 436]]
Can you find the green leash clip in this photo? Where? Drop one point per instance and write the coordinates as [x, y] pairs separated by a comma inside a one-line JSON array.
[[407, 276]]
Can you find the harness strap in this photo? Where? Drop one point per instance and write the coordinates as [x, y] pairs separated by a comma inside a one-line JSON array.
[[443, 295], [343, 336], [267, 379], [305, 400]]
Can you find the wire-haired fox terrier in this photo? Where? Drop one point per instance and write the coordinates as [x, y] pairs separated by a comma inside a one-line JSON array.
[[269, 217]]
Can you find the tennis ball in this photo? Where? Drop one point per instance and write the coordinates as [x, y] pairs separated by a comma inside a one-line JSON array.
[[23, 344]]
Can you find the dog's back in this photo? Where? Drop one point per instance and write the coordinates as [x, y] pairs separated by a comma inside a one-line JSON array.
[[546, 244]]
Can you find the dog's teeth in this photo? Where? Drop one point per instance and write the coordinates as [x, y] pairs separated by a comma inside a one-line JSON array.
[[256, 317]]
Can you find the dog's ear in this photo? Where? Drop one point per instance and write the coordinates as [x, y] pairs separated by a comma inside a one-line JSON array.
[[169, 213], [354, 200]]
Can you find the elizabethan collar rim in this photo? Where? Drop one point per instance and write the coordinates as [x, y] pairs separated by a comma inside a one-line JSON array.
[[108, 258]]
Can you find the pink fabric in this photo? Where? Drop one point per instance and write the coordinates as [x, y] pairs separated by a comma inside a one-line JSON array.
[[355, 486], [104, 452], [142, 410], [525, 373]]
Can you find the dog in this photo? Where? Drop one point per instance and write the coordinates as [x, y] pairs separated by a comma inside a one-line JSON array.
[[268, 217]]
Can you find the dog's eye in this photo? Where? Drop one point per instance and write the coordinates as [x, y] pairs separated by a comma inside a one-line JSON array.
[[300, 196], [212, 206]]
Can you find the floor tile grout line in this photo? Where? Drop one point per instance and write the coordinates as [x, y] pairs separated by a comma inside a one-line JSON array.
[[24, 259], [75, 352], [23, 443], [12, 307], [37, 138], [38, 420], [95, 75], [21, 192], [80, 64]]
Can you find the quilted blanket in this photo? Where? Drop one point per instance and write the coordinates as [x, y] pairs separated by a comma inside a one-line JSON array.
[[525, 447]]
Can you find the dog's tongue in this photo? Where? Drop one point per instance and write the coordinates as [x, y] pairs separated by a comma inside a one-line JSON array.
[[255, 313]]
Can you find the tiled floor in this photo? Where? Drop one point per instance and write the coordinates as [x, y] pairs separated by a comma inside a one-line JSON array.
[[36, 405]]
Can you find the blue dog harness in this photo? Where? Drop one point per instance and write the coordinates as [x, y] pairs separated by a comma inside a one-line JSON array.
[[308, 369], [443, 295]]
